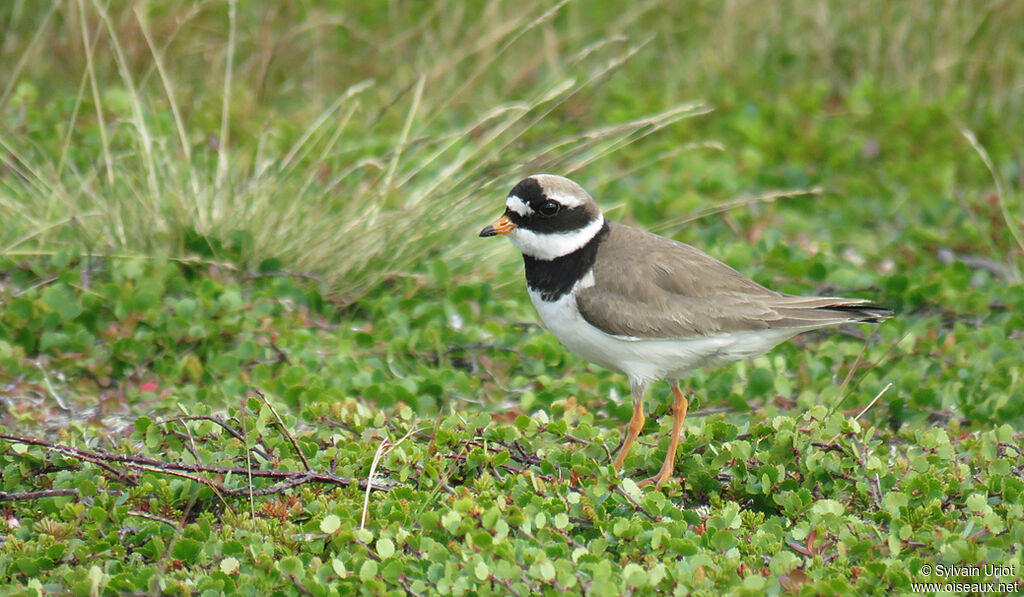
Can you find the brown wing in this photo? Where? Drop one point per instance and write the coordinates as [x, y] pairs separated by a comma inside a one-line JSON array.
[[647, 286]]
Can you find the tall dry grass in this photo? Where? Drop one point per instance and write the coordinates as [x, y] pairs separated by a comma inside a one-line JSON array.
[[355, 142]]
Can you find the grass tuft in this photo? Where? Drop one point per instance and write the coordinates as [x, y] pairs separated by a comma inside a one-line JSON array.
[[356, 199]]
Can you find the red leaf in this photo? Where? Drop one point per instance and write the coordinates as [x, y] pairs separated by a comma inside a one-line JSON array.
[[800, 549], [810, 541], [793, 580]]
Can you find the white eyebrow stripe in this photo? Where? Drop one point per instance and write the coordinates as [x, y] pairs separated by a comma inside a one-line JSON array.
[[569, 200], [517, 205]]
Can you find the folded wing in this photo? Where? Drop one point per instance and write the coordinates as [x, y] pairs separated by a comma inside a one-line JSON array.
[[667, 289]]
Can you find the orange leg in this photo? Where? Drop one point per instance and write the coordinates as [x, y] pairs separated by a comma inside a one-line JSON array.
[[636, 423], [678, 416]]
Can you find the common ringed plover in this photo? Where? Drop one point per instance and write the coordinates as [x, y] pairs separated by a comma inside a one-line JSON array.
[[645, 305]]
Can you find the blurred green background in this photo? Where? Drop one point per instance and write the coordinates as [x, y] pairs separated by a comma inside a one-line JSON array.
[[868, 148], [353, 140]]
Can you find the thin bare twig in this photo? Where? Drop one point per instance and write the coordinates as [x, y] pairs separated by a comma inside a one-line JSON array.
[[404, 581], [1010, 446], [874, 486], [35, 495], [248, 455], [151, 516], [284, 429], [274, 488], [141, 463], [298, 585], [636, 505], [222, 424]]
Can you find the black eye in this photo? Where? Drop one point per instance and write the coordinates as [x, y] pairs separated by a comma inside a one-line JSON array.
[[549, 208]]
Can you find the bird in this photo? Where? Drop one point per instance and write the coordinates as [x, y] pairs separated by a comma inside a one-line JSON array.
[[644, 305]]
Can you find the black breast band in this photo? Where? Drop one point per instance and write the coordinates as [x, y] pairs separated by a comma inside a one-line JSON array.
[[556, 277]]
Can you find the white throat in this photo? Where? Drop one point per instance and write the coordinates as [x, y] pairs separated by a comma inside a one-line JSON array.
[[552, 245]]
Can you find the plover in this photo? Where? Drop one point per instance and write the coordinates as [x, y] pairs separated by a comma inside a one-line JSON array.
[[644, 305]]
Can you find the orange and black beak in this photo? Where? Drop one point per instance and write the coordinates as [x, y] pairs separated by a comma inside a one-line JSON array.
[[502, 226]]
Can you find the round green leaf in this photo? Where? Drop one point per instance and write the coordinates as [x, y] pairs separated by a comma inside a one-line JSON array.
[[385, 547], [330, 524]]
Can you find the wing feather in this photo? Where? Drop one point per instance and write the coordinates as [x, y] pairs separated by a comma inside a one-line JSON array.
[[667, 289]]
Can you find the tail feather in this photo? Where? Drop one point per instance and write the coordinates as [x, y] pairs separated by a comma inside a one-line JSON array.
[[862, 313], [814, 312]]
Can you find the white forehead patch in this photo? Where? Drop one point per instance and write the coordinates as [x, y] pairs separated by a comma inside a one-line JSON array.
[[517, 205], [552, 245]]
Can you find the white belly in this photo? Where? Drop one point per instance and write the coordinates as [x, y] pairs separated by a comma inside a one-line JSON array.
[[645, 360]]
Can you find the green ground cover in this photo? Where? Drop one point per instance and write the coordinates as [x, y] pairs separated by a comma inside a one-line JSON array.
[[224, 300]]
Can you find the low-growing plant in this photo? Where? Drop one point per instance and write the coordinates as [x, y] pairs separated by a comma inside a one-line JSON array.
[[249, 343]]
